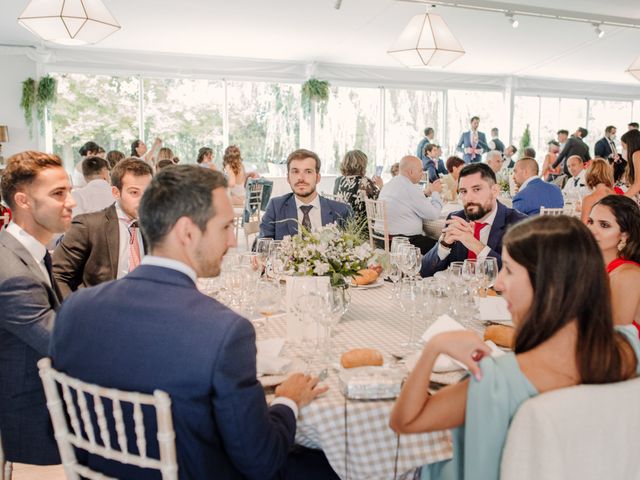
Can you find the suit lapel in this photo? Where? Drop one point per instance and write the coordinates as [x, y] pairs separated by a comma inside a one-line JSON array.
[[9, 241], [291, 214], [496, 233], [327, 215], [112, 236]]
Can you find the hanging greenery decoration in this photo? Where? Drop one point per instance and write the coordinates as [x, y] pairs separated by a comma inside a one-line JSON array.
[[28, 101], [45, 98], [314, 90]]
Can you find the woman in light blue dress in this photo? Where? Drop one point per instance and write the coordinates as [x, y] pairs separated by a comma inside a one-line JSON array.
[[564, 337]]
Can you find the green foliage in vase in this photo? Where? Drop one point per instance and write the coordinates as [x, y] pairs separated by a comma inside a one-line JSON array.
[[314, 90]]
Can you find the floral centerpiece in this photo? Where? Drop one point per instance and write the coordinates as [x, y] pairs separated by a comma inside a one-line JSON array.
[[330, 251]]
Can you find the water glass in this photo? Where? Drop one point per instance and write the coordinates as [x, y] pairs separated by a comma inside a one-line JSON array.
[[487, 273]]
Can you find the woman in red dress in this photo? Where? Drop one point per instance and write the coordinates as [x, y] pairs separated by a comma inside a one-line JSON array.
[[615, 224]]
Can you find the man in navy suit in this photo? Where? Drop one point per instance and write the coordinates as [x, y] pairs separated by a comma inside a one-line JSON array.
[[37, 189], [429, 133], [533, 192], [477, 230], [153, 329], [606, 148], [473, 143], [304, 206]]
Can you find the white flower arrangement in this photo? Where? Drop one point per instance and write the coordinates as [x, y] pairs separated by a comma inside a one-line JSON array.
[[328, 251]]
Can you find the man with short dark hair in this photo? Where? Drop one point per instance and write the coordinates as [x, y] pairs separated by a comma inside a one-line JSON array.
[[429, 134], [495, 143], [473, 143], [574, 146], [107, 244], [153, 330], [533, 192], [477, 230], [633, 126], [430, 166], [96, 194], [303, 206], [509, 154], [606, 148], [36, 188]]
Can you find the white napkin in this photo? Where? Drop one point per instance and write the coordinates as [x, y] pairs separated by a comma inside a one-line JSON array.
[[494, 309], [444, 363], [269, 361]]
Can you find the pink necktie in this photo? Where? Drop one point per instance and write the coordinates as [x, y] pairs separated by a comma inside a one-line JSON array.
[[134, 246]]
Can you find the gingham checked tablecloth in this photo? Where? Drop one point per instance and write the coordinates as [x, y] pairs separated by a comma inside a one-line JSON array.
[[355, 434]]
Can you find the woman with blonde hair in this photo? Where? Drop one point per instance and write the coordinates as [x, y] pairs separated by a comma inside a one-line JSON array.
[[165, 153], [353, 186], [599, 180], [236, 175], [564, 337]]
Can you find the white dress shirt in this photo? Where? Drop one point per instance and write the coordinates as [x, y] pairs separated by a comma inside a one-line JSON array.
[[123, 252], [407, 207], [181, 267], [33, 246], [314, 214], [443, 251], [94, 196], [576, 184]]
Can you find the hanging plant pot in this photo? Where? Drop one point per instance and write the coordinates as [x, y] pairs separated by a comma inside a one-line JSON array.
[[45, 97], [314, 91], [28, 102]]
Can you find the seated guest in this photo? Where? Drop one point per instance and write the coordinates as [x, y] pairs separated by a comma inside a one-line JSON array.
[[5, 216], [407, 205], [353, 186], [509, 155], [194, 348], [113, 157], [430, 164], [574, 146], [533, 192], [599, 179], [37, 189], [577, 183], [549, 173], [615, 224], [494, 160], [450, 181], [107, 244], [96, 194], [429, 134], [89, 149], [303, 206], [205, 158], [563, 338], [442, 168], [477, 230], [164, 164]]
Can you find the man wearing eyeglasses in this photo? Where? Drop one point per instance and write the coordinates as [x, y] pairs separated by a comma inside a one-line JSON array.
[[107, 244]]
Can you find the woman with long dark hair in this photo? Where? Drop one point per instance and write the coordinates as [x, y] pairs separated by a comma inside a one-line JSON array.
[[615, 224], [563, 338], [631, 148]]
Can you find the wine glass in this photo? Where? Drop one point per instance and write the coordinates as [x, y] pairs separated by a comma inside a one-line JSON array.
[[263, 246], [396, 242], [488, 272], [393, 273], [267, 300], [407, 259], [410, 302], [469, 277]]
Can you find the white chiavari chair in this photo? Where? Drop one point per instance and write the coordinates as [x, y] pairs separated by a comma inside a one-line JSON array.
[[6, 468], [552, 211], [81, 433], [377, 222]]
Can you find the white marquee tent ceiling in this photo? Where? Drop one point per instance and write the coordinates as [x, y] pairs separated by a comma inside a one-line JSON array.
[[361, 31]]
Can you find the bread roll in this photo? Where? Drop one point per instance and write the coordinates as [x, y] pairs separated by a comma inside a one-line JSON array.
[[365, 277], [501, 335], [361, 357]]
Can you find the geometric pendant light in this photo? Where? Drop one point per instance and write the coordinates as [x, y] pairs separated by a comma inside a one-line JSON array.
[[426, 41], [69, 22], [634, 68]]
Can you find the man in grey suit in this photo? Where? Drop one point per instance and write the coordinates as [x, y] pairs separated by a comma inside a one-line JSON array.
[[37, 189]]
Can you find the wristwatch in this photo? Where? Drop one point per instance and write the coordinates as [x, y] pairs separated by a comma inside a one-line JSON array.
[[445, 244]]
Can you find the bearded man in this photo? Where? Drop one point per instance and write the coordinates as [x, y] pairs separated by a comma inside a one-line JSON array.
[[476, 231]]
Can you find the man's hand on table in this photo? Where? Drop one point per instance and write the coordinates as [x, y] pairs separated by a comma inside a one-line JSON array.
[[300, 388]]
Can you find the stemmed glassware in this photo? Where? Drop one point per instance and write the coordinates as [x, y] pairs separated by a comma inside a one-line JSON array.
[[394, 273], [411, 302], [263, 247], [267, 300], [487, 272]]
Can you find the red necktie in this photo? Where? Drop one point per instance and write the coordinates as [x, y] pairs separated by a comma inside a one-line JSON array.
[[477, 226]]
